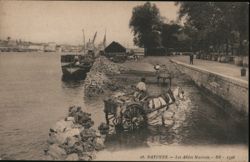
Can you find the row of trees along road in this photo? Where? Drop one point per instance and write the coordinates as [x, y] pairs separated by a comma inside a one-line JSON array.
[[209, 27]]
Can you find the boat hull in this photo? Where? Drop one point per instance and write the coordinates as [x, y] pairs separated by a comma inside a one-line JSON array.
[[75, 71], [75, 65]]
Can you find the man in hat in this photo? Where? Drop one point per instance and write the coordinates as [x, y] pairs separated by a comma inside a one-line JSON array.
[[140, 89]]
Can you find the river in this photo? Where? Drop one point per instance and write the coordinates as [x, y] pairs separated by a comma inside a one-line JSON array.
[[33, 97]]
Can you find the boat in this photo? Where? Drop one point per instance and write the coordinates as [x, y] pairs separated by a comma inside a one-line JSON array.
[[76, 65]]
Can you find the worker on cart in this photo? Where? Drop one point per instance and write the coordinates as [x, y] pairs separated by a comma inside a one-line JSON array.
[[141, 89], [157, 72]]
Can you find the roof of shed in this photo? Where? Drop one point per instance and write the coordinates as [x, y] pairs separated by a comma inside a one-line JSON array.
[[115, 47]]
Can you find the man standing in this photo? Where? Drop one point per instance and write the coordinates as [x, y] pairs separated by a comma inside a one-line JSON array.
[[191, 58]]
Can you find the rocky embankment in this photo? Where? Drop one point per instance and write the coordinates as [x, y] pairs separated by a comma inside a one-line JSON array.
[[97, 81], [73, 138]]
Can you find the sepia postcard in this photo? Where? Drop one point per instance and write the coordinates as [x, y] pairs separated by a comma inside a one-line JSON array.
[[124, 80]]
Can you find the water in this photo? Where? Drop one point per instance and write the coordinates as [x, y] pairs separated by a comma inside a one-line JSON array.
[[199, 120], [33, 97]]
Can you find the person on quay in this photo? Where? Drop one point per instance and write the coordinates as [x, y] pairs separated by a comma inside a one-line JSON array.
[[191, 58]]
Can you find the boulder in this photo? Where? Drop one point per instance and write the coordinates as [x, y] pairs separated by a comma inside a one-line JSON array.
[[76, 148], [88, 133], [73, 110], [99, 144], [72, 157], [72, 132], [88, 146], [70, 119], [52, 138], [71, 141], [73, 138], [60, 138], [103, 128], [85, 157], [56, 152], [62, 126]]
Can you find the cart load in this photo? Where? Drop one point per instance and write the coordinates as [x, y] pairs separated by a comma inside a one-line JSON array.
[[125, 112]]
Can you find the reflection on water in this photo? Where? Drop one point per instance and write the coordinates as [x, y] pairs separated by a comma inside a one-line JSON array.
[[74, 83], [71, 79]]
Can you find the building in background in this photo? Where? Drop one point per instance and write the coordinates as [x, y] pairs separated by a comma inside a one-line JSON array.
[[138, 52], [114, 49], [36, 47], [116, 52], [50, 47]]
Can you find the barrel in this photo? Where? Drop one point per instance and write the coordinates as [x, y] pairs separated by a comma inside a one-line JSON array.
[[243, 71]]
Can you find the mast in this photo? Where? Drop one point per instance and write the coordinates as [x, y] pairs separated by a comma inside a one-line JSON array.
[[104, 40], [83, 41]]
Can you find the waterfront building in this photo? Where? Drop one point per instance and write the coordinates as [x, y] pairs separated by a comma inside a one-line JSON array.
[[114, 49], [36, 47], [50, 47], [139, 52]]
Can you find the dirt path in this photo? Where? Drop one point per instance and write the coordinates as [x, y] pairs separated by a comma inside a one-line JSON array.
[[147, 63]]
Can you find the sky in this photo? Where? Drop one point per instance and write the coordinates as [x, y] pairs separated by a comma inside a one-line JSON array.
[[62, 21]]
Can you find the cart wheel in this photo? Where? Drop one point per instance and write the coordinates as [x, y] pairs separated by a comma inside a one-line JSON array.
[[134, 117]]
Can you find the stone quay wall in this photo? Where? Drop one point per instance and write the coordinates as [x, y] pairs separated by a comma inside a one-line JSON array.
[[232, 90]]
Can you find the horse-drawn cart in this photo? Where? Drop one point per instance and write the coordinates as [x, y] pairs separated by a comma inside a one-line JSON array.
[[126, 113]]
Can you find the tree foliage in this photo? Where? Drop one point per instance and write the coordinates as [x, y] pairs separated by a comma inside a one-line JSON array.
[[222, 26], [146, 25], [169, 38], [216, 23]]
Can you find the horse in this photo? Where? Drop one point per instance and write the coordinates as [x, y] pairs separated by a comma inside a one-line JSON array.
[[156, 107]]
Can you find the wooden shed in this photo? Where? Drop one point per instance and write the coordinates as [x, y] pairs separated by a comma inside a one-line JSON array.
[[114, 49]]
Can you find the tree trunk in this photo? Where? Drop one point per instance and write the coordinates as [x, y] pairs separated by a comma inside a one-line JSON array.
[[240, 46], [226, 46], [232, 49]]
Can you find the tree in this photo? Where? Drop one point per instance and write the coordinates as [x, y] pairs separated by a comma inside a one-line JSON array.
[[217, 23], [145, 24], [169, 38], [199, 19], [241, 20]]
